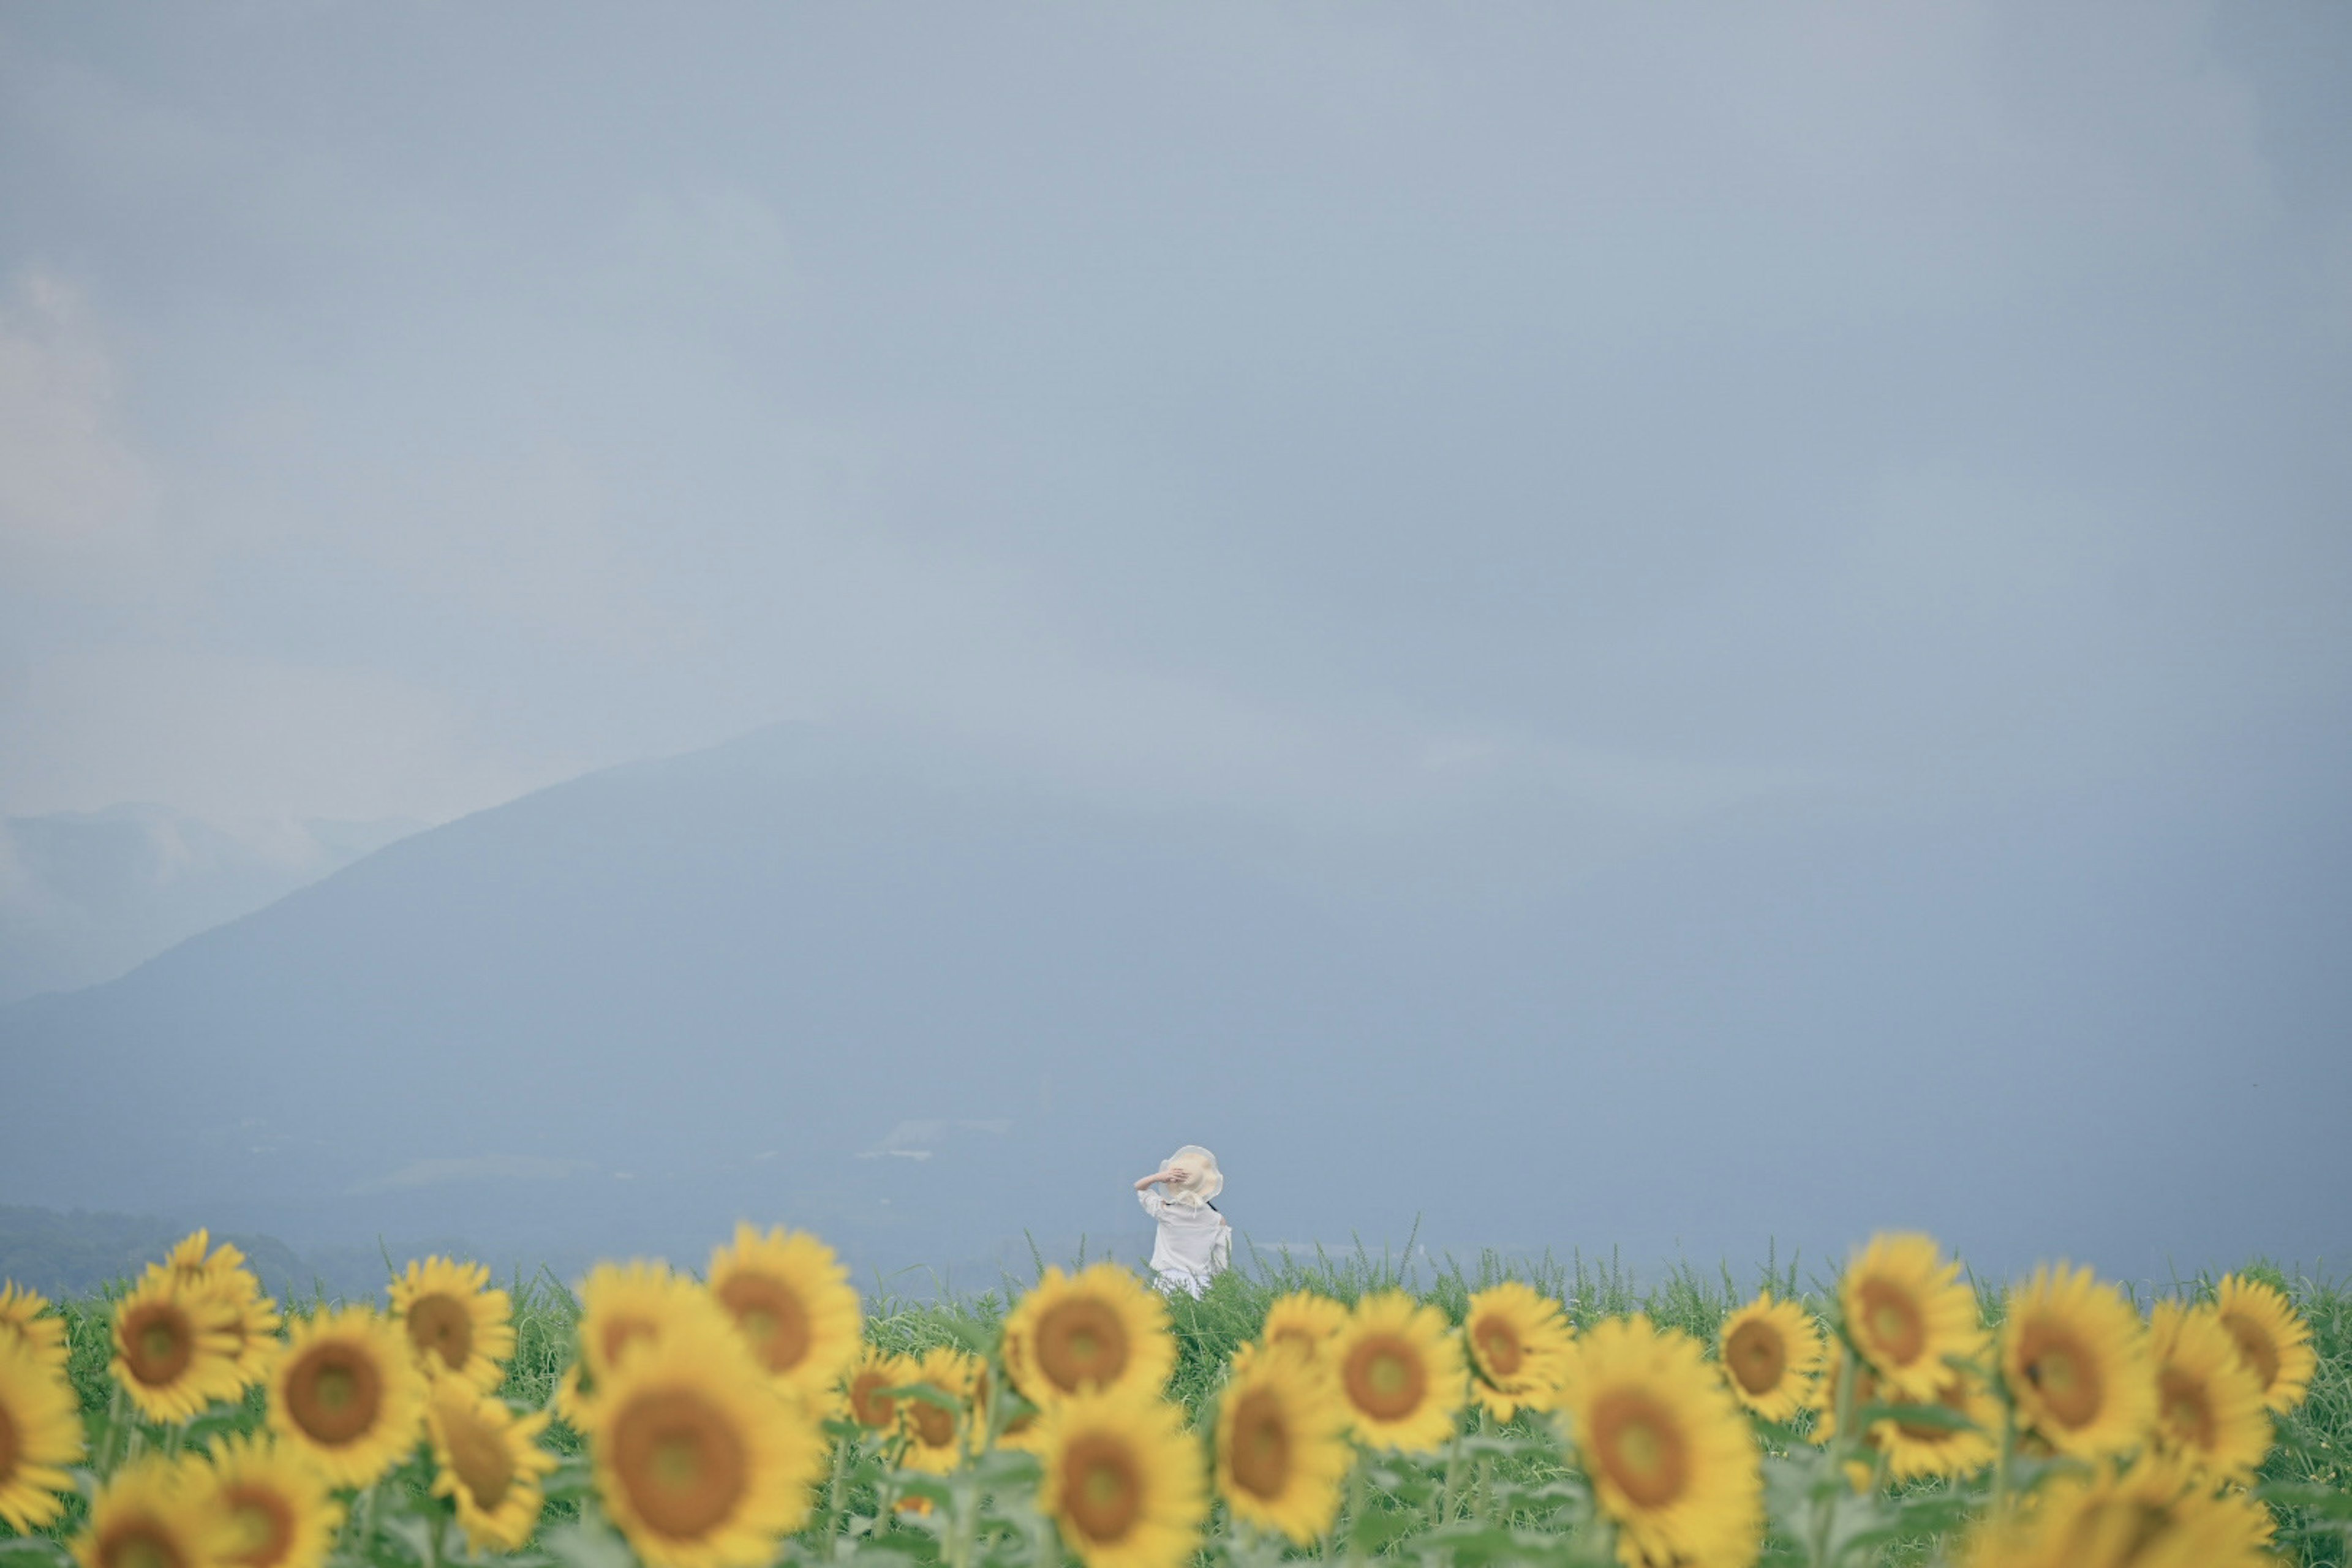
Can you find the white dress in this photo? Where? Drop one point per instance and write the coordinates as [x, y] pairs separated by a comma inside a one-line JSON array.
[[1194, 1243]]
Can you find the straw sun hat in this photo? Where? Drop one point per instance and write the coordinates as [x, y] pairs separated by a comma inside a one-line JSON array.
[[1206, 1181]]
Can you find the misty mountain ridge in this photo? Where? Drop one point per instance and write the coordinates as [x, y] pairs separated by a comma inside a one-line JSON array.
[[928, 1005], [86, 896]]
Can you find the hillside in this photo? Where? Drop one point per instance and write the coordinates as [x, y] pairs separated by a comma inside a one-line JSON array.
[[925, 1003]]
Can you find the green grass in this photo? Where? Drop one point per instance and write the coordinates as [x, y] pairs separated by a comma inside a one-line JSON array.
[[2313, 1449]]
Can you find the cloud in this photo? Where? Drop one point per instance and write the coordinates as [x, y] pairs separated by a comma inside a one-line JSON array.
[[77, 503]]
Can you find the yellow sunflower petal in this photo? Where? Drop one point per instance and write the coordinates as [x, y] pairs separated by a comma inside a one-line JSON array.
[[2074, 1355], [1519, 1342], [278, 1509], [2209, 1401], [864, 1397], [1917, 1448], [1671, 1457], [1282, 1445], [40, 1433], [1303, 1324], [157, 1513], [1909, 1312], [455, 1323], [939, 1438], [699, 1458], [791, 1298], [26, 1320], [2272, 1337], [346, 1396], [2153, 1515], [1101, 1330], [1770, 1353], [624, 1307], [488, 1462], [1122, 1479], [1398, 1366], [175, 1347]]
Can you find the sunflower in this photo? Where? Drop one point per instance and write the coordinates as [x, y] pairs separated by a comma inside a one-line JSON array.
[[40, 1433], [2153, 1515], [1914, 1448], [1908, 1311], [346, 1394], [175, 1347], [456, 1324], [1281, 1445], [865, 1399], [488, 1462], [2074, 1355], [1398, 1368], [23, 1321], [157, 1513], [1303, 1322], [1669, 1453], [193, 1258], [1122, 1479], [2272, 1337], [932, 1437], [1771, 1351], [700, 1460], [626, 1306], [1519, 1346], [792, 1299], [2208, 1406], [1101, 1329], [279, 1512]]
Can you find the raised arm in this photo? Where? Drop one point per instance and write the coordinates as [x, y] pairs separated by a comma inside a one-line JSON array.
[[1155, 1176]]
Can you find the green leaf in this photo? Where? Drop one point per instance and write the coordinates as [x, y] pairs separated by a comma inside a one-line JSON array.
[[31, 1551], [580, 1544]]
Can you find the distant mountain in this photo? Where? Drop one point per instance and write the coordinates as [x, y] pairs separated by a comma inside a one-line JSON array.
[[86, 896], [926, 1002]]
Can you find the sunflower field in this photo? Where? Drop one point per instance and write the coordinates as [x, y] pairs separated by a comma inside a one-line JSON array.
[[760, 1413]]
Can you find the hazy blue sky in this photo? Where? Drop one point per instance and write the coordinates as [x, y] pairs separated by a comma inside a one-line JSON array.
[[402, 407], [1622, 425]]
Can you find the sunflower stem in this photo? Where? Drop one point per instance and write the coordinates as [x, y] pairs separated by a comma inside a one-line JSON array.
[[439, 1521], [118, 1412], [1827, 1497], [832, 1535]]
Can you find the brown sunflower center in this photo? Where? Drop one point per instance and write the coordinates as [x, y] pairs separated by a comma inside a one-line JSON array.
[[1758, 1356], [868, 1403], [772, 1317], [867, 1400], [441, 1328], [2186, 1408], [1102, 1489], [1952, 1397], [485, 1466], [140, 1543], [11, 1445], [2064, 1371], [158, 1342], [1260, 1457], [934, 1424], [620, 1333], [334, 1393], [1498, 1345], [1079, 1343], [263, 1522], [2255, 1344], [1639, 1446], [1385, 1377], [680, 1461], [1891, 1323]]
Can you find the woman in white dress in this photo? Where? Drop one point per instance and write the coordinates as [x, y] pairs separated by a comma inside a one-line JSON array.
[[1195, 1244]]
